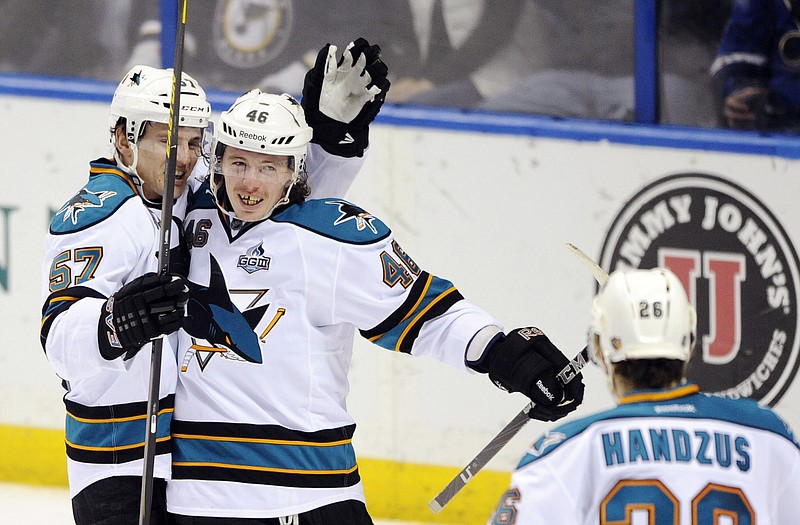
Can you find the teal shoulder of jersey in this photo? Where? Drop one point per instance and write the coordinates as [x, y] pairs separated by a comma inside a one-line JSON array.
[[335, 218], [694, 405], [107, 189]]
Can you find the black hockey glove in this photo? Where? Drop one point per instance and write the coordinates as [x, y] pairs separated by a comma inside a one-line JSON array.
[[342, 98], [526, 361], [147, 307]]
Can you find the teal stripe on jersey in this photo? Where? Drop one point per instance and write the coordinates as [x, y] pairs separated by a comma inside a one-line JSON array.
[[264, 454], [436, 292], [109, 434]]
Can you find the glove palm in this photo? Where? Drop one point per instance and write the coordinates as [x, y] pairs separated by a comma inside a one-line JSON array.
[[346, 85], [341, 98]]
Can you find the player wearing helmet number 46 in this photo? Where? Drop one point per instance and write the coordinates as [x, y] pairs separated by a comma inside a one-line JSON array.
[[103, 300], [280, 283], [667, 453]]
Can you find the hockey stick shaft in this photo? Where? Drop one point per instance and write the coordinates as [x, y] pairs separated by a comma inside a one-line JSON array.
[[500, 440], [514, 426], [165, 228]]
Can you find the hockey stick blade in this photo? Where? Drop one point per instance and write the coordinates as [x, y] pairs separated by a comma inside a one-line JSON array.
[[500, 440], [599, 274]]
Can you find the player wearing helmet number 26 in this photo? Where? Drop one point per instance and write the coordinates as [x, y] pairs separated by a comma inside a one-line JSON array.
[[280, 283], [667, 453], [103, 300]]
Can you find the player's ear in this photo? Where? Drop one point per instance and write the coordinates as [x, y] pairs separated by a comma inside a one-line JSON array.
[[123, 145], [120, 140]]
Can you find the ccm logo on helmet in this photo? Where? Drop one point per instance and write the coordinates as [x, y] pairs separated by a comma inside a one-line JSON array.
[[740, 272]]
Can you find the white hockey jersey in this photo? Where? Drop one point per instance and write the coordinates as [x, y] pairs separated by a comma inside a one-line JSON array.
[[101, 239], [261, 427], [674, 456]]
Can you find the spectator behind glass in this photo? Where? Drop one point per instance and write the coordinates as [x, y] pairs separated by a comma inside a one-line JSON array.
[[688, 36], [451, 52], [443, 52], [576, 65], [757, 67], [79, 38]]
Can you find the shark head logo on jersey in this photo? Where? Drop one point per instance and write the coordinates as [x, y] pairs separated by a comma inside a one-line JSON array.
[[351, 212], [254, 260], [211, 315], [83, 200]]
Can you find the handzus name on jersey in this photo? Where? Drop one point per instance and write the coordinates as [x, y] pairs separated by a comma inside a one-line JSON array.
[[252, 264], [676, 445]]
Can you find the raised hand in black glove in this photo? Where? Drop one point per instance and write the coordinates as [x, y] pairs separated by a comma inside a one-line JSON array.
[[341, 98], [147, 307], [526, 361]]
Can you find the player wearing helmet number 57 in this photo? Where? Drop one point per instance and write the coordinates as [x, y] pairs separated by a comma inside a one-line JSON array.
[[280, 285], [667, 453], [103, 301]]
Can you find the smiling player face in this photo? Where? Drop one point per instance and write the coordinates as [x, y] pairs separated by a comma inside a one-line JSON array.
[[152, 157], [254, 182]]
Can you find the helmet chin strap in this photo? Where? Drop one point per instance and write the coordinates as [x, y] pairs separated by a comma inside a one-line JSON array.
[[130, 170], [285, 199]]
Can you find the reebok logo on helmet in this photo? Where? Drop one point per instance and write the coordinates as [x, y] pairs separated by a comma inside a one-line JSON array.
[[252, 136]]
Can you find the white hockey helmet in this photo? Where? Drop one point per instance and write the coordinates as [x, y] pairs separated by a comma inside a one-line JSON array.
[[642, 314], [262, 123], [145, 94]]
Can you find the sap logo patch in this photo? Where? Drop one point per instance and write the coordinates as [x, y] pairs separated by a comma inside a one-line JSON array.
[[739, 269], [254, 260]]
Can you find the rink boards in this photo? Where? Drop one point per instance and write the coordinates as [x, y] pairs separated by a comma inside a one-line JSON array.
[[486, 202]]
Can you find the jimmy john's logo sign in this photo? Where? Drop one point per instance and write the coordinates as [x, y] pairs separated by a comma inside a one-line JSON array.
[[739, 269]]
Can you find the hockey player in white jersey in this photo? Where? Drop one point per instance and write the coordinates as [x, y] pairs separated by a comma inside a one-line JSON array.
[[103, 301], [279, 285], [667, 453]]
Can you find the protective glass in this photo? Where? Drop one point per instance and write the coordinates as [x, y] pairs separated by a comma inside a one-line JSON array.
[[158, 141], [264, 172]]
